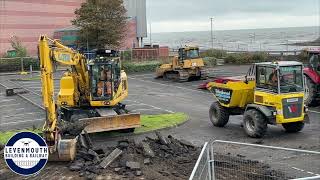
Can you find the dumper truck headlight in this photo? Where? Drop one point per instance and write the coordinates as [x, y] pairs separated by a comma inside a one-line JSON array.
[[274, 113], [279, 112]]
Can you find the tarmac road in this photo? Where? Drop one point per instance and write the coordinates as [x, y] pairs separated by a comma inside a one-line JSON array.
[[150, 96], [185, 97]]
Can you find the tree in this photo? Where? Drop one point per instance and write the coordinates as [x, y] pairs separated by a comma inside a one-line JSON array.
[[18, 47], [101, 22]]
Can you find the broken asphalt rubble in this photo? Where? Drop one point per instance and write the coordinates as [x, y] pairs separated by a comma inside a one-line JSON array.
[[153, 158]]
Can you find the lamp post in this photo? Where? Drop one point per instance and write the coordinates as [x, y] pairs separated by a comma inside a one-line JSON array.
[[211, 19]]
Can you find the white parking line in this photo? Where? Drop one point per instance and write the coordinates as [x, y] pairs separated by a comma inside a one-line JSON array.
[[317, 112], [168, 85], [10, 110], [128, 105], [18, 115], [24, 121], [9, 105], [309, 172], [6, 100], [30, 82], [135, 110], [155, 107], [142, 75]]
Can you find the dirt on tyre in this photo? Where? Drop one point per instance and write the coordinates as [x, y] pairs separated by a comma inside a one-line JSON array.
[[254, 123], [218, 115], [293, 127], [310, 92]]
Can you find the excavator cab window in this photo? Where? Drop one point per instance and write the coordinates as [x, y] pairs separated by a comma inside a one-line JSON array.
[[102, 81]]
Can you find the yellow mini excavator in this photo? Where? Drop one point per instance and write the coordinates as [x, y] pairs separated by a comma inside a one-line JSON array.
[[90, 94], [187, 65]]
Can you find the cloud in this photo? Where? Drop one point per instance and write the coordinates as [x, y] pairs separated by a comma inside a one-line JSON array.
[[189, 15]]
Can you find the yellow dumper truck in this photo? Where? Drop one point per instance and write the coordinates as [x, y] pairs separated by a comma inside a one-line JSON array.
[[270, 93]]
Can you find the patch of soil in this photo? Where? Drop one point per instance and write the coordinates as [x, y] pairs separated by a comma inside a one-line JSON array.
[[164, 158], [230, 167], [161, 158]]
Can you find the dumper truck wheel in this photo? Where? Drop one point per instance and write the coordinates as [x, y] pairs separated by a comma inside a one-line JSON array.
[[293, 127], [310, 92], [254, 123], [219, 116]]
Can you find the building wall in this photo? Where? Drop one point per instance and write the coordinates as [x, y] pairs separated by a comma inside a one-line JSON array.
[[130, 40], [137, 9], [27, 19]]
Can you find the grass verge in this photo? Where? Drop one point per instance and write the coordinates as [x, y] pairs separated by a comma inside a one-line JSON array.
[[148, 123], [5, 136], [160, 121]]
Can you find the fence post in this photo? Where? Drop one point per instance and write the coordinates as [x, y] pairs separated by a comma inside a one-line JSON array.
[[30, 67], [212, 160], [209, 162], [22, 68]]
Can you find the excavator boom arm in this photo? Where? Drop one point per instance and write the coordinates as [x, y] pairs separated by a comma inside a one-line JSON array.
[[64, 55]]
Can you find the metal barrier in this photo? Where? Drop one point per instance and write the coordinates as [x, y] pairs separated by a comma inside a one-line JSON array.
[[202, 169], [234, 160]]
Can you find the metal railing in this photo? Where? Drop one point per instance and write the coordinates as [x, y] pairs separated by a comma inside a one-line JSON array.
[[235, 160], [202, 168]]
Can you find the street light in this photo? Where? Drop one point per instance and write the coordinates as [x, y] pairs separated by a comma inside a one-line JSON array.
[[211, 32]]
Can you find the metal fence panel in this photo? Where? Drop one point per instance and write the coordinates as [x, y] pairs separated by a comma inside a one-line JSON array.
[[202, 171], [234, 160]]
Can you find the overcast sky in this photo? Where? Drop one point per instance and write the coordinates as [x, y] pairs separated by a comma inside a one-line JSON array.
[[193, 15]]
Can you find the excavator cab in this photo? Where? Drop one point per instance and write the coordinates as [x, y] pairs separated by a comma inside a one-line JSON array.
[[105, 79], [105, 76]]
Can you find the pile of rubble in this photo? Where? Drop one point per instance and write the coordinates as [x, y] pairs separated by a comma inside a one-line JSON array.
[[153, 158]]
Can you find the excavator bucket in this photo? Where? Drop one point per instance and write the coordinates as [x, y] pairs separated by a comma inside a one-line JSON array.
[[110, 123], [66, 150]]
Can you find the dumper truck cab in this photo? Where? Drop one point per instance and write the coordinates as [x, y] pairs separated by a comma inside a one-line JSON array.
[[188, 64], [270, 93]]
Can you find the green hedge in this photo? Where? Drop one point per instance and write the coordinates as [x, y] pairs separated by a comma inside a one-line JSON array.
[[14, 64], [147, 66], [210, 61], [246, 58], [217, 53]]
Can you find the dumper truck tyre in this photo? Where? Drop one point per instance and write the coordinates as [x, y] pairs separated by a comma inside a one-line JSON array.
[[310, 92], [254, 123], [293, 127], [219, 115]]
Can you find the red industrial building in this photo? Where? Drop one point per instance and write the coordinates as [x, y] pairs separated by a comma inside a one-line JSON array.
[[27, 19]]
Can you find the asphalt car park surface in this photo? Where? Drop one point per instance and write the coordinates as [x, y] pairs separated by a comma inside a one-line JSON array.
[[152, 96]]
